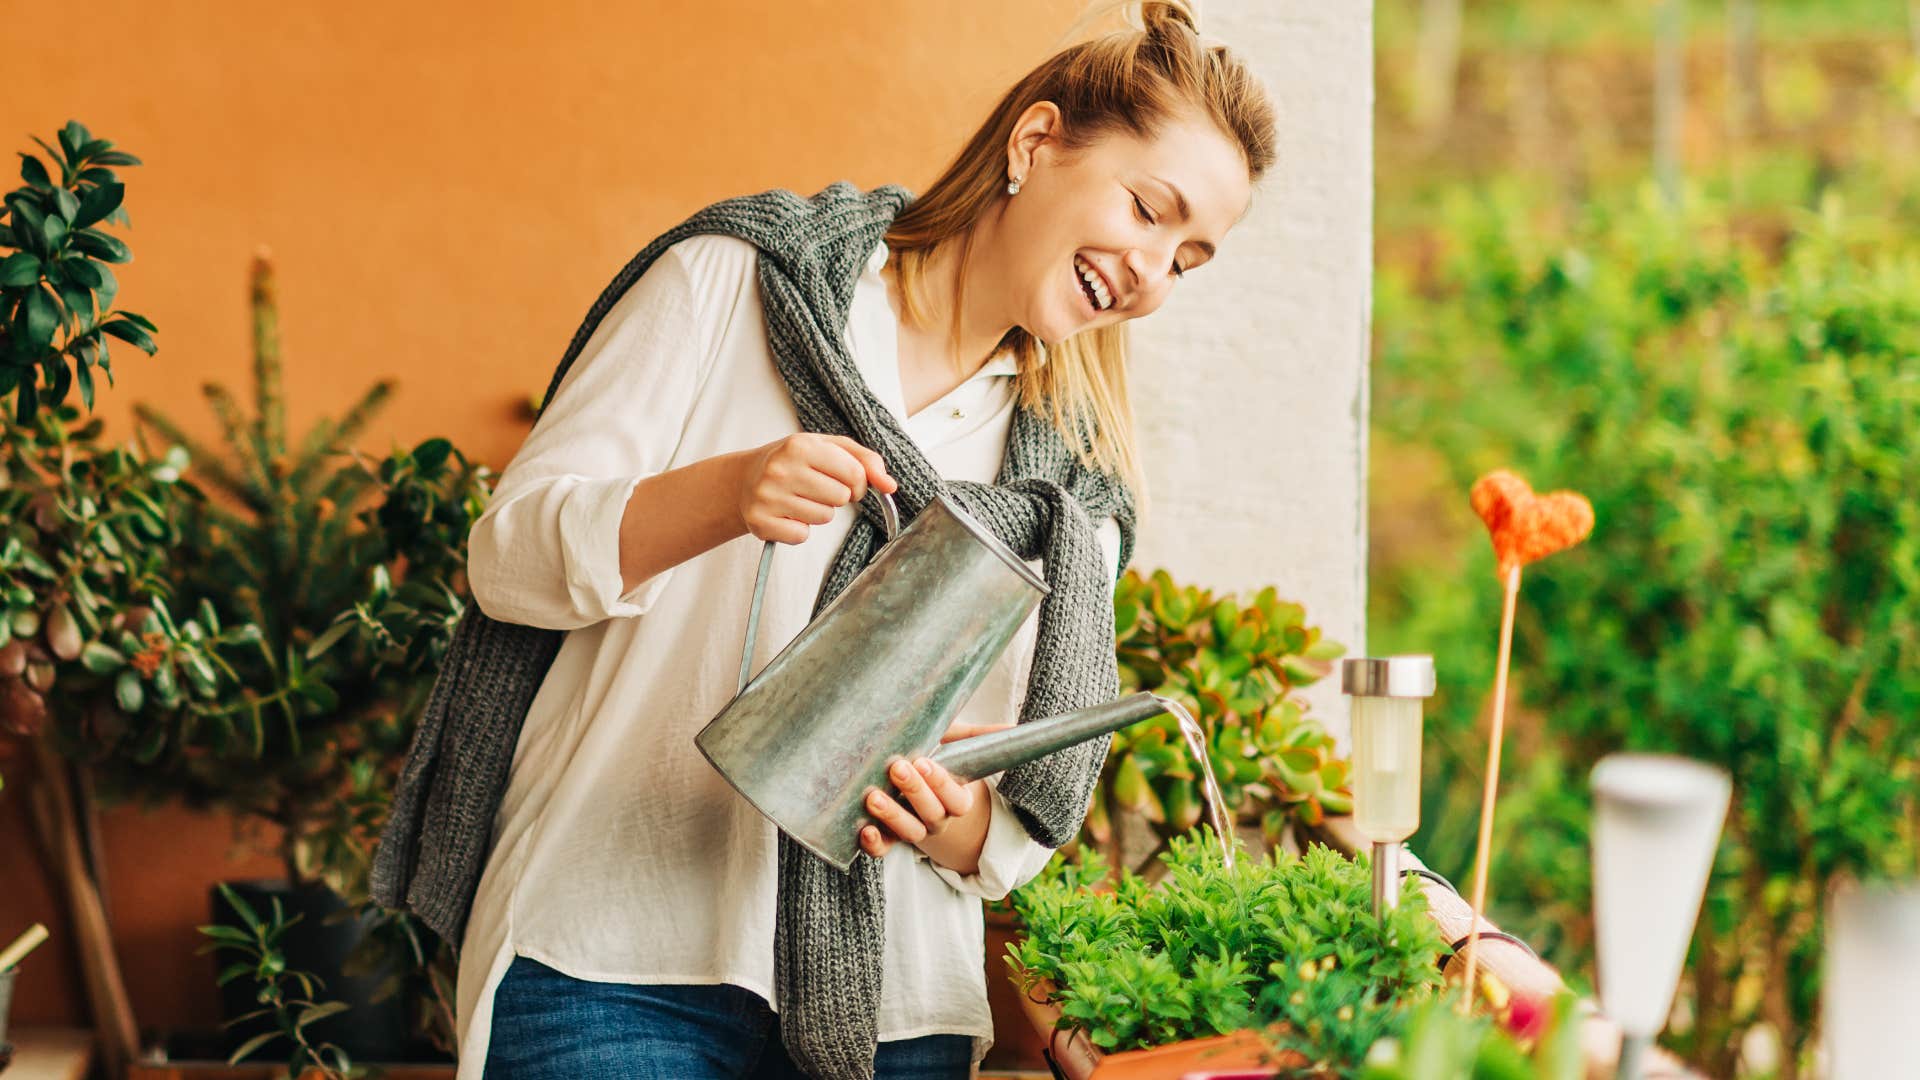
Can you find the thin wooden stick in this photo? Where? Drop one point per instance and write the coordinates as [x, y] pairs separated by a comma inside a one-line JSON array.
[[1484, 851], [22, 945]]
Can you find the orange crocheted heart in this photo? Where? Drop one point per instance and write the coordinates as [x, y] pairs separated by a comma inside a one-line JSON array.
[[1527, 527]]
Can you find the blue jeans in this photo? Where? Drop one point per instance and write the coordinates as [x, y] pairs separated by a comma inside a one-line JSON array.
[[551, 1026]]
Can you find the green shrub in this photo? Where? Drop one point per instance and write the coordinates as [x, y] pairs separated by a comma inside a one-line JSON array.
[[1744, 421]]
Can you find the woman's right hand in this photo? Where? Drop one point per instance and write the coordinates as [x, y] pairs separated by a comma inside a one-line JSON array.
[[798, 482]]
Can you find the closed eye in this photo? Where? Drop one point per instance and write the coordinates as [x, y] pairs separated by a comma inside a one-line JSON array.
[[1140, 209]]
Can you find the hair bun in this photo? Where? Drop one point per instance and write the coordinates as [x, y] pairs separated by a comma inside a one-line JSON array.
[[1159, 16]]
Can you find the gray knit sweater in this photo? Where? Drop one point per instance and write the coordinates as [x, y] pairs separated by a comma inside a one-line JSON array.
[[829, 927]]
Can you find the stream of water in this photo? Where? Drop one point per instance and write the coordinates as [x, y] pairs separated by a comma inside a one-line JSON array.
[[1196, 738]]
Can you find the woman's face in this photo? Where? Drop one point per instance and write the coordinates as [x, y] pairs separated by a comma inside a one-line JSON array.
[[1100, 235]]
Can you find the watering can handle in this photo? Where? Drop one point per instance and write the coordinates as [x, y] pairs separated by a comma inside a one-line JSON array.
[[889, 516]]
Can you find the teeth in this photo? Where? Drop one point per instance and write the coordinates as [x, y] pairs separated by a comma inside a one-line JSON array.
[[1103, 299]]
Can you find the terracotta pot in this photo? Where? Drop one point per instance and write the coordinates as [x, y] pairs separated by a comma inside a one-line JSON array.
[[1076, 1058]]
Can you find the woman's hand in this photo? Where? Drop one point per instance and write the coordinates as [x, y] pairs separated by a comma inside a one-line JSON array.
[[942, 816], [798, 482]]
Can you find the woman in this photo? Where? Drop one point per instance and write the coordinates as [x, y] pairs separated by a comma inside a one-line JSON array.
[[751, 377]]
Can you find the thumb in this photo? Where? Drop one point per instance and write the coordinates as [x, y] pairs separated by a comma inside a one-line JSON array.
[[876, 467]]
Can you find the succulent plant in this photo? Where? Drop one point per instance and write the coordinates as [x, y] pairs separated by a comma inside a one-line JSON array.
[[1235, 666]]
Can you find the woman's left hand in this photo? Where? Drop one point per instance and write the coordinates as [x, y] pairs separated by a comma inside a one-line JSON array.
[[942, 816]]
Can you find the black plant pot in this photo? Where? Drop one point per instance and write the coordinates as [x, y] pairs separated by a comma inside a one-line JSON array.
[[318, 944]]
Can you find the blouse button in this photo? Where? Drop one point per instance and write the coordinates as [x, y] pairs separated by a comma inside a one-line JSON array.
[[958, 415]]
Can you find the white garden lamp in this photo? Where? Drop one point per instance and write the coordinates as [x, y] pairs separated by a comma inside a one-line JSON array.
[[1386, 758], [1871, 995], [1656, 826]]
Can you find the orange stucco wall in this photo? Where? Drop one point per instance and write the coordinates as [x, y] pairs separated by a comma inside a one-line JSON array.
[[445, 187]]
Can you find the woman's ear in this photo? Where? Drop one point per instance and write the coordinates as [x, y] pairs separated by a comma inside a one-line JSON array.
[[1040, 124]]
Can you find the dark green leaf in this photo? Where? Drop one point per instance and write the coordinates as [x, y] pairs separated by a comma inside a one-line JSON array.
[[74, 136], [67, 204], [43, 318], [20, 268], [84, 271], [101, 246], [34, 173], [98, 202], [128, 332]]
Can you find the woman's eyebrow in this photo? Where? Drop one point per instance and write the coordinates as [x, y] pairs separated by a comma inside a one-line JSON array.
[[1186, 211], [1179, 199]]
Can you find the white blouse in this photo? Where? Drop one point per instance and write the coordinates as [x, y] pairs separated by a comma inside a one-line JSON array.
[[619, 854]]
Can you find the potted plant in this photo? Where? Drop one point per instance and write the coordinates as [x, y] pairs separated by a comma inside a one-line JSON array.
[[95, 649], [352, 571], [1237, 667], [1275, 960]]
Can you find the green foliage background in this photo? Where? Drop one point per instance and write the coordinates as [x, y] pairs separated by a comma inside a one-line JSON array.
[[1734, 384]]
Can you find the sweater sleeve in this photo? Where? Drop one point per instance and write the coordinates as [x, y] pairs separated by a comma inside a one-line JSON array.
[[546, 552], [1011, 857]]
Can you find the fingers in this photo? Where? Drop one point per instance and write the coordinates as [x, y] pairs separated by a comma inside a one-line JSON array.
[[802, 480], [933, 797], [901, 822], [955, 796], [911, 779], [873, 468], [875, 842], [961, 730]]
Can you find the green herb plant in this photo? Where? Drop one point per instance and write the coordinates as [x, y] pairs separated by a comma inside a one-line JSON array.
[[1281, 942]]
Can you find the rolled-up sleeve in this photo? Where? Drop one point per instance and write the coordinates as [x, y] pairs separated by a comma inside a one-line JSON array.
[[546, 552], [1010, 856]]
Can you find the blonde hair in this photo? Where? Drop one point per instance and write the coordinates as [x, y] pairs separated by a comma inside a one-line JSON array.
[[1130, 81]]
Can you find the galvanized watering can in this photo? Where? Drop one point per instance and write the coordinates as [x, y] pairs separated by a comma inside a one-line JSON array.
[[880, 674]]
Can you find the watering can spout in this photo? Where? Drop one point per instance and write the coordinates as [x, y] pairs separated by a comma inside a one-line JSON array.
[[984, 755]]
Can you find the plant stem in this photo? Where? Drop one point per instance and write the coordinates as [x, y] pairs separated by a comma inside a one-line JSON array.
[[1483, 851]]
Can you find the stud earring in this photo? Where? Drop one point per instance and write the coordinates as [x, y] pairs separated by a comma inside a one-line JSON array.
[[1013, 186]]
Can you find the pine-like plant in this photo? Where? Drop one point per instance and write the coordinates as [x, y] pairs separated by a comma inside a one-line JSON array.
[[354, 573]]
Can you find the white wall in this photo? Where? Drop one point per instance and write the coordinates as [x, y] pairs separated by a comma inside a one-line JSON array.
[[1251, 383]]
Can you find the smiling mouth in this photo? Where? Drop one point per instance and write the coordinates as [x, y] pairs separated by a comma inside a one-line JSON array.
[[1092, 284]]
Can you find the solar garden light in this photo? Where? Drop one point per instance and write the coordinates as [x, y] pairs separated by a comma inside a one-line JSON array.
[[1386, 758], [1872, 984], [1656, 826]]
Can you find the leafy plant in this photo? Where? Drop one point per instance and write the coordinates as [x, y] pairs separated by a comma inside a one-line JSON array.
[[87, 632], [1742, 416], [354, 573], [56, 289], [1283, 942], [1235, 667], [287, 996]]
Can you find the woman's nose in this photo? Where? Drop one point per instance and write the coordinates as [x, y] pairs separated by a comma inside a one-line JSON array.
[[1139, 270], [1142, 280]]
